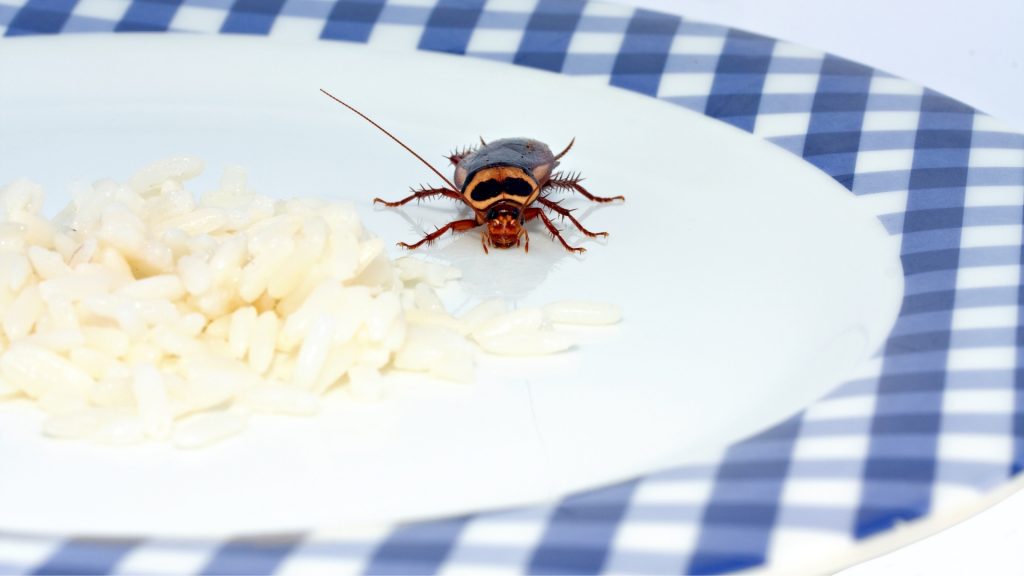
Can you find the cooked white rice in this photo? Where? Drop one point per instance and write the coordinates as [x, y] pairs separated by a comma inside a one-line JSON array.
[[142, 313]]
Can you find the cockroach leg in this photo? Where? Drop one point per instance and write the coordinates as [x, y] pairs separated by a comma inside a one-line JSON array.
[[568, 214], [483, 242], [454, 226], [531, 213], [526, 233], [459, 153], [421, 194], [571, 182]]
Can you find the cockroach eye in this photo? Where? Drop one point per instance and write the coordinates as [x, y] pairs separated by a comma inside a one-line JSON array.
[[492, 214]]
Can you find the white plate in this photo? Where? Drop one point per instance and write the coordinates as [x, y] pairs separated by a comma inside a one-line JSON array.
[[751, 282]]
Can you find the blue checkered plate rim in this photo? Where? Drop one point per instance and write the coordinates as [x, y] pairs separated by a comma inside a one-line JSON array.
[[935, 420]]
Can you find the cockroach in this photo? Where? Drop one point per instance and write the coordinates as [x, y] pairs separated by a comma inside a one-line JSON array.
[[500, 181]]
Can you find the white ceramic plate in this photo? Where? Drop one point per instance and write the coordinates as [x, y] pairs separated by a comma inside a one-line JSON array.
[[751, 282]]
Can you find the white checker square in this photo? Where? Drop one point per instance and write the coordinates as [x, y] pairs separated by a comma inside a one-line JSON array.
[[110, 10], [988, 276], [306, 558], [889, 85], [298, 564], [843, 407], [994, 196], [697, 45], [978, 401], [884, 202], [985, 317], [821, 491], [788, 124], [890, 120], [788, 50], [685, 84], [996, 235], [675, 492], [995, 358], [173, 559], [505, 41], [851, 447], [296, 28], [498, 532], [413, 3], [514, 6], [805, 550], [197, 19], [465, 567], [988, 448], [596, 42], [776, 83], [953, 496], [657, 537], [996, 158], [395, 36], [491, 532], [884, 161], [27, 552], [986, 123], [605, 9]]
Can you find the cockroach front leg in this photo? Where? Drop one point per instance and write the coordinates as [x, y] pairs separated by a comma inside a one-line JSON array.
[[568, 214], [531, 213], [454, 226], [421, 194], [572, 182]]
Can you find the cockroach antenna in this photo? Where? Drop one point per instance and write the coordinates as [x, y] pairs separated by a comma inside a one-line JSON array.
[[390, 135]]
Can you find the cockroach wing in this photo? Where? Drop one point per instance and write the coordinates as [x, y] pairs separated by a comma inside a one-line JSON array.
[[533, 156]]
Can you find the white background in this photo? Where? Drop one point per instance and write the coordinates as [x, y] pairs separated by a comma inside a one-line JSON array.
[[972, 51]]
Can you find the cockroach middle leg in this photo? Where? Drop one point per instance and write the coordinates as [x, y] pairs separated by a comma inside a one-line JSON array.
[[458, 154], [568, 214], [532, 213], [454, 226], [420, 194], [572, 182]]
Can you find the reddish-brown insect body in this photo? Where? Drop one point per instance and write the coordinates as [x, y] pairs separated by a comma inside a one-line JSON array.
[[500, 181]]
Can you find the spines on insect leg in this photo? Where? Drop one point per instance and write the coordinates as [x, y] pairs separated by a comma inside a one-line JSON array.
[[571, 181], [532, 213], [423, 192], [454, 226], [458, 154], [566, 214]]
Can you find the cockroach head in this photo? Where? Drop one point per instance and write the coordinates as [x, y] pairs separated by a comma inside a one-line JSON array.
[[504, 224]]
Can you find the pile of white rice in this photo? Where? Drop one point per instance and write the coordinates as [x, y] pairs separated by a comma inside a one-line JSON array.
[[140, 313]]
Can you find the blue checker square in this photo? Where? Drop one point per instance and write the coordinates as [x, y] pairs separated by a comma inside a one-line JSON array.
[[352, 20]]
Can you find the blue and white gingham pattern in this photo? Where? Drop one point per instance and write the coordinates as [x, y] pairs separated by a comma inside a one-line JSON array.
[[932, 422]]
